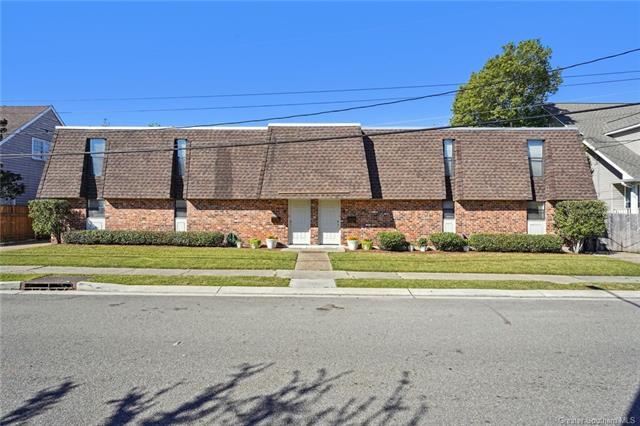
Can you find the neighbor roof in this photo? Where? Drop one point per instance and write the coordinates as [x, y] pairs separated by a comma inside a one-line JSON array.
[[596, 124], [347, 162], [18, 116]]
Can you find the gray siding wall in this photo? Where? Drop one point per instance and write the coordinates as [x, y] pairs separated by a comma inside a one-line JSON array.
[[607, 185], [28, 168]]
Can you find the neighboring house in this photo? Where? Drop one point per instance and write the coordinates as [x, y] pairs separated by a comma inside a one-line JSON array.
[[612, 142], [257, 181], [29, 129]]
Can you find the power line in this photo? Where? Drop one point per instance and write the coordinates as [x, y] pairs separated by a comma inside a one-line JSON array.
[[295, 92], [342, 101], [327, 138]]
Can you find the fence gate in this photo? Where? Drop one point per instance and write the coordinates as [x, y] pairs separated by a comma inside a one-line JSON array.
[[15, 224]]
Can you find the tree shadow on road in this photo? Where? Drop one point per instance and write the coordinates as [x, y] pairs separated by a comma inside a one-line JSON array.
[[299, 401], [39, 403]]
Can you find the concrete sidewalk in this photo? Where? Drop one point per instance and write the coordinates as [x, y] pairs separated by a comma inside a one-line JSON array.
[[317, 275], [91, 288]]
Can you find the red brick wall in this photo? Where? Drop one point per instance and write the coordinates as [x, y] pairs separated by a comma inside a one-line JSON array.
[[414, 218], [496, 217], [147, 215], [247, 218], [549, 210]]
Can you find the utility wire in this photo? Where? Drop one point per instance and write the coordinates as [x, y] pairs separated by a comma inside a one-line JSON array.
[[588, 83], [296, 92], [327, 138]]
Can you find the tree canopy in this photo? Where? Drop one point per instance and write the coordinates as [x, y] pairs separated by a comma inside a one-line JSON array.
[[10, 184], [511, 86]]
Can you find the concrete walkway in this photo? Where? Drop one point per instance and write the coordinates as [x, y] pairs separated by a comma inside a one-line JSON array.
[[316, 275], [313, 261]]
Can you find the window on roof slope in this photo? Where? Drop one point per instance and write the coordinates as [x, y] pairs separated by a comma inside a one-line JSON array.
[[96, 150], [535, 150], [181, 155], [447, 145]]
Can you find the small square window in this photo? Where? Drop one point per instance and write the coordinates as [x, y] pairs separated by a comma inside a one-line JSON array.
[[95, 208], [181, 208], [448, 209], [535, 210]]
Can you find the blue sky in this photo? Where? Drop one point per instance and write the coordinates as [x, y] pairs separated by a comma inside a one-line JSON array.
[[53, 52]]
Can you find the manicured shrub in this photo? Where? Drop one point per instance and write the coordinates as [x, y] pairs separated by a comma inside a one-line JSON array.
[[575, 221], [522, 243], [156, 238], [49, 217], [423, 242], [447, 241], [393, 241]]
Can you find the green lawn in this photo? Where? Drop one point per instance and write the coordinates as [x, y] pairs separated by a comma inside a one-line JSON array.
[[187, 280], [499, 263], [150, 257], [503, 285]]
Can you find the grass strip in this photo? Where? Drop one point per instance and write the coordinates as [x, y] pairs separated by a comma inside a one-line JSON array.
[[501, 285]]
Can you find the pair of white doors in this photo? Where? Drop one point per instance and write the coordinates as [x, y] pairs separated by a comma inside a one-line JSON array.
[[328, 222]]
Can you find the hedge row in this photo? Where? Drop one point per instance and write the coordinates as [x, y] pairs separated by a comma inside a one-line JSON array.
[[160, 238], [516, 243]]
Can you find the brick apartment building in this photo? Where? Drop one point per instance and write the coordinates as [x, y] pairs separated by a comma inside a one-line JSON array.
[[317, 183]]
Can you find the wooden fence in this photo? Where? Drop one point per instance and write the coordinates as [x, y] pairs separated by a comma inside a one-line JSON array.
[[15, 224], [623, 232]]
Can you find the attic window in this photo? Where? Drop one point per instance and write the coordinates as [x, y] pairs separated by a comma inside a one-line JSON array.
[[181, 155], [535, 150], [447, 145], [96, 150]]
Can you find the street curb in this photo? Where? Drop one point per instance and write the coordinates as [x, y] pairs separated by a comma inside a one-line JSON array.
[[92, 288]]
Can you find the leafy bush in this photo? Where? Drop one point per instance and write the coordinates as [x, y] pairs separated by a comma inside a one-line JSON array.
[[447, 241], [522, 243], [423, 241], [576, 221], [156, 238], [49, 217], [394, 241]]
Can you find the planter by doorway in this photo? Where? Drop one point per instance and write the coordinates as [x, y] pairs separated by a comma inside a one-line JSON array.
[[352, 243], [272, 243]]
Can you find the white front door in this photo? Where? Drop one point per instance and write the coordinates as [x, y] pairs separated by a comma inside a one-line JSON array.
[[299, 222], [329, 221]]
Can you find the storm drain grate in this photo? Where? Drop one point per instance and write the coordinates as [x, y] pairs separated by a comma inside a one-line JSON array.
[[52, 283]]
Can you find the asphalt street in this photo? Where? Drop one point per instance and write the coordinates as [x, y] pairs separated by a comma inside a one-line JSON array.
[[74, 360]]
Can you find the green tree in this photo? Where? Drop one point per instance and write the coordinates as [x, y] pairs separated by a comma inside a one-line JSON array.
[[49, 217], [577, 220], [510, 86], [10, 184]]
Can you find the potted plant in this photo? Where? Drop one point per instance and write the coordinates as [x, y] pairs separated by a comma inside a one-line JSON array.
[[410, 246], [366, 244], [272, 241], [352, 242], [233, 240], [255, 243], [239, 243], [423, 242]]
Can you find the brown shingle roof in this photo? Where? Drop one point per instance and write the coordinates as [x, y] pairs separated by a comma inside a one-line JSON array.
[[146, 175], [567, 174], [405, 166], [17, 116], [226, 173], [322, 169], [63, 175], [491, 165]]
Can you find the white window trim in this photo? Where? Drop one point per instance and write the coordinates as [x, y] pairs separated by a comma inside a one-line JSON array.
[[41, 154]]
